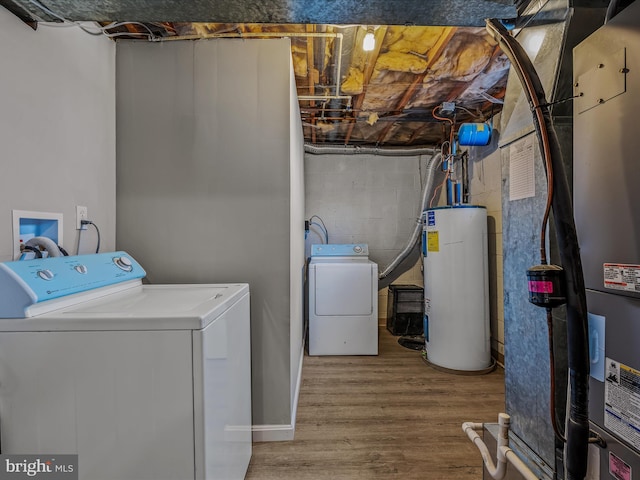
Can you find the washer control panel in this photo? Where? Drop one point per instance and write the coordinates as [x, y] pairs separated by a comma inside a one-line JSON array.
[[42, 279], [123, 263]]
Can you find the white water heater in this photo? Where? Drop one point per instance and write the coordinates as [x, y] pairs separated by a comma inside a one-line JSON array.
[[456, 287]]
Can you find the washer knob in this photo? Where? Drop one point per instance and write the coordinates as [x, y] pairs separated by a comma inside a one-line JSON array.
[[80, 269], [46, 274], [357, 249], [123, 263]]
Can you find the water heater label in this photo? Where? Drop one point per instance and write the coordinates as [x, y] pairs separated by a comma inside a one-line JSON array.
[[622, 401], [619, 276], [427, 306], [433, 241], [431, 219]]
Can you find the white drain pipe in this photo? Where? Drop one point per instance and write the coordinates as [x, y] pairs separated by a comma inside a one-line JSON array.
[[504, 453]]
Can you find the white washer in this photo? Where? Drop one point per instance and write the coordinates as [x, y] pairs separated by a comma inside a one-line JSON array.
[[343, 301], [140, 381]]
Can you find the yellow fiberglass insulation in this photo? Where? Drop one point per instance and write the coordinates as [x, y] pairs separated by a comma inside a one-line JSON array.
[[401, 62], [412, 39], [464, 58], [353, 84]]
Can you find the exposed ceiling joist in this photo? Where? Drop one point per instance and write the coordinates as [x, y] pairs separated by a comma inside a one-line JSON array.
[[434, 55], [347, 95], [370, 64]]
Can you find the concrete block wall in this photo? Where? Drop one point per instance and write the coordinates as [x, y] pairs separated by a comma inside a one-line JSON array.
[[485, 188], [410, 277], [365, 198]]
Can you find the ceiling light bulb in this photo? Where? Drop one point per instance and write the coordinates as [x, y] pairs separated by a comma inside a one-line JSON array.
[[369, 42]]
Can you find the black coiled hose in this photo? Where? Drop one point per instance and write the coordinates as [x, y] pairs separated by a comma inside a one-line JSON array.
[[577, 424]]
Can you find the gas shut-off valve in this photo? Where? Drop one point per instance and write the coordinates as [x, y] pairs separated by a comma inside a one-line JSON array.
[[546, 286]]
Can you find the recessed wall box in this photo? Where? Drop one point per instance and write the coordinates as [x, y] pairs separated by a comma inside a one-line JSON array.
[[28, 224]]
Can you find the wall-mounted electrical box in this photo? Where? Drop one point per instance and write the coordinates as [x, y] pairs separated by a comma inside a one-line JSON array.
[[27, 225]]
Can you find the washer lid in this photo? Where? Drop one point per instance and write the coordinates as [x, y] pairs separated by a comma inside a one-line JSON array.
[[145, 307]]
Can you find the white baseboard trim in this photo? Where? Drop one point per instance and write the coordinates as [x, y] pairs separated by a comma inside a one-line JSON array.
[[281, 433], [272, 433], [296, 392]]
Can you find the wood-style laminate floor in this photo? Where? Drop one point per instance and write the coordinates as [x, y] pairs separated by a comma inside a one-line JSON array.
[[384, 417]]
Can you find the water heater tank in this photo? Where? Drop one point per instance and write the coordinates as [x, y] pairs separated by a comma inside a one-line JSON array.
[[457, 335]]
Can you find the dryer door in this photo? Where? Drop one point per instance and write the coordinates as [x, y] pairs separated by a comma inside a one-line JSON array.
[[343, 289]]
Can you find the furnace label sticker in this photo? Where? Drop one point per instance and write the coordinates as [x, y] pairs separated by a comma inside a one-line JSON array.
[[618, 276], [622, 402], [433, 241]]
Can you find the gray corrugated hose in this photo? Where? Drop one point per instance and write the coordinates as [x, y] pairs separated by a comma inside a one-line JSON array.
[[577, 421], [432, 167], [46, 243], [359, 150]]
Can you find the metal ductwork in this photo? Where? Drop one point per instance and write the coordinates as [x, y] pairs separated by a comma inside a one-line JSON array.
[[549, 34], [373, 12]]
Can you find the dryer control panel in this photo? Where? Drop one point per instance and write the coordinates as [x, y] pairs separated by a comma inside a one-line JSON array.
[[340, 250], [26, 283]]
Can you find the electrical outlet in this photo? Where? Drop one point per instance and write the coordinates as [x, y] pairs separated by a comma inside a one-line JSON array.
[[81, 214]]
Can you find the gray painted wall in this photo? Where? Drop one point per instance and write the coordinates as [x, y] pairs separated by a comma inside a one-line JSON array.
[[57, 129], [204, 184], [296, 243]]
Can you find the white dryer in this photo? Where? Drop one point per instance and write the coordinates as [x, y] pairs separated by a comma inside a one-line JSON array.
[[140, 381], [343, 301]]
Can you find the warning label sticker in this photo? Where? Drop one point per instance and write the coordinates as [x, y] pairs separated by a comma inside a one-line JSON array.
[[618, 468], [622, 402], [433, 241], [619, 276]]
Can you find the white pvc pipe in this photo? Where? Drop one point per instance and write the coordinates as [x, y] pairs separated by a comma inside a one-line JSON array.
[[504, 454], [498, 470], [512, 458]]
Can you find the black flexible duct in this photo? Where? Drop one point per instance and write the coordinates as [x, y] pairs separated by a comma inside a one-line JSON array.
[[577, 429], [615, 7]]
